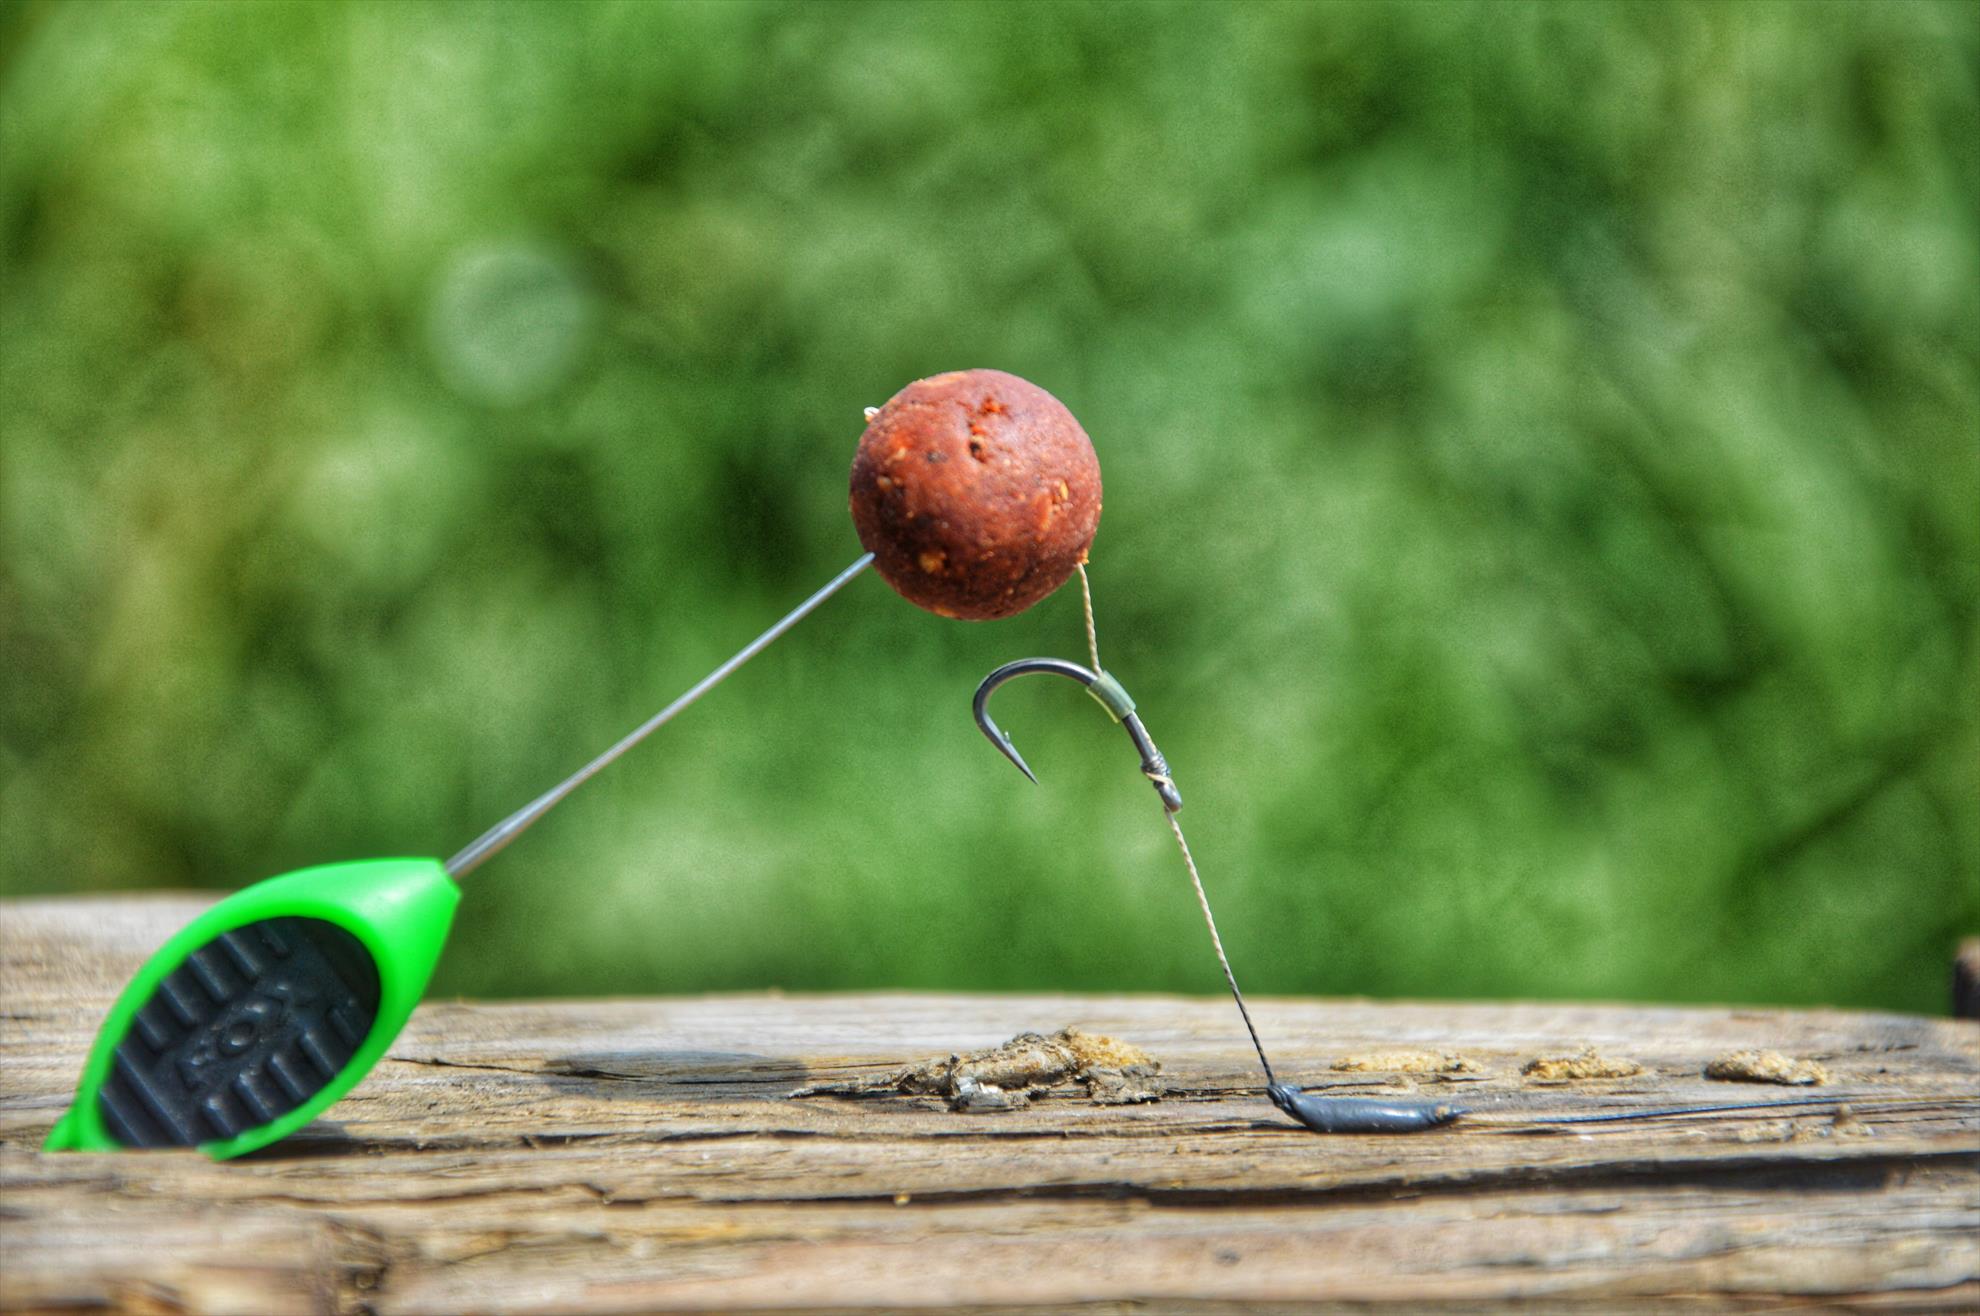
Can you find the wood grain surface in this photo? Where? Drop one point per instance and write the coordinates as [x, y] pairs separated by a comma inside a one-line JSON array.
[[634, 1155]]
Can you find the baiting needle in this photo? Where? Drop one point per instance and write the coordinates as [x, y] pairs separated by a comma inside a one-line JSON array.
[[273, 1003], [490, 842]]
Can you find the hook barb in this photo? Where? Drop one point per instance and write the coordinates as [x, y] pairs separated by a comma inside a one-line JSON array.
[[1002, 740]]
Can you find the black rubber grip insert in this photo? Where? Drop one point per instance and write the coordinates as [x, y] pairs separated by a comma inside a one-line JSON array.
[[251, 1026]]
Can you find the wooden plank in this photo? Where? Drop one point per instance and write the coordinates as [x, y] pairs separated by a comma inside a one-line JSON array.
[[633, 1155]]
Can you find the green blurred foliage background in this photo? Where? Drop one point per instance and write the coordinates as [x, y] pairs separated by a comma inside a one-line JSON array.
[[1543, 483]]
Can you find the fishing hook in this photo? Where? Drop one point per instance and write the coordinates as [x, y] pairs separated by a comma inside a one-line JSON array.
[[1321, 1114], [1110, 696]]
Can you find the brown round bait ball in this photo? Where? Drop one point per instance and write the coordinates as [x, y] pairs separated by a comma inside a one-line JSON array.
[[976, 492]]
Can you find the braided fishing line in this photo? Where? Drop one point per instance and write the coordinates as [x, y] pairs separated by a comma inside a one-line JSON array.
[[1182, 844], [1323, 1115]]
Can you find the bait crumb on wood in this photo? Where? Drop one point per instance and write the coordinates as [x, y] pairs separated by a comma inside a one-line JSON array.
[[1407, 1062], [1007, 1077], [1766, 1067], [1587, 1064], [1846, 1124]]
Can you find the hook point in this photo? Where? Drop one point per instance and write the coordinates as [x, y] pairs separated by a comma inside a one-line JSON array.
[[1011, 753]]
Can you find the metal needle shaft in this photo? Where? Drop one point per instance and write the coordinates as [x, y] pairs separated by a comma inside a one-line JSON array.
[[491, 841]]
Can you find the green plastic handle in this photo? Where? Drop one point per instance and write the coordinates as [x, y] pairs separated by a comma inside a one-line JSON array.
[[399, 909]]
